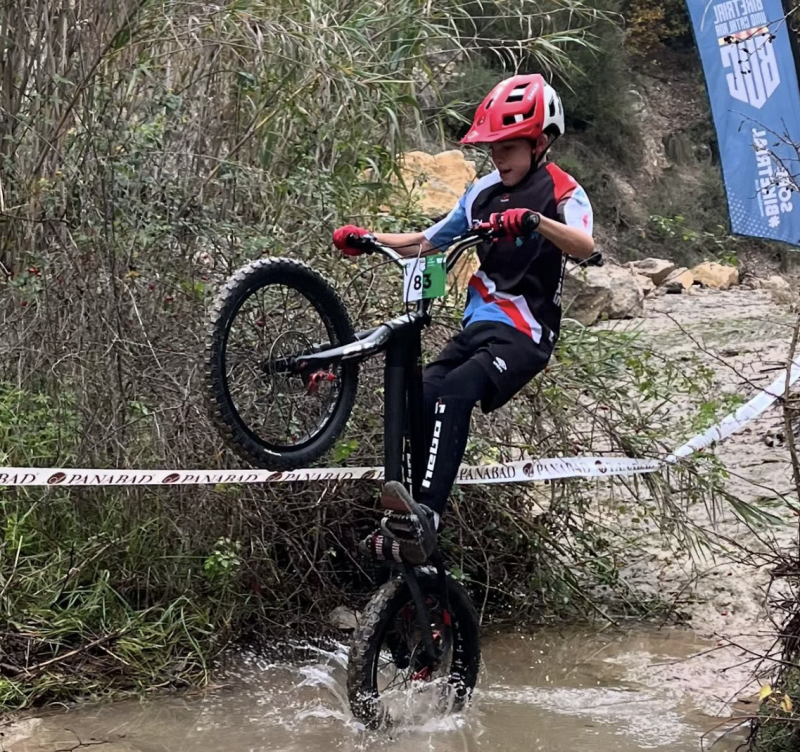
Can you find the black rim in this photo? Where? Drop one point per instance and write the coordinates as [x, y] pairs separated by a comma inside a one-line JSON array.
[[290, 341]]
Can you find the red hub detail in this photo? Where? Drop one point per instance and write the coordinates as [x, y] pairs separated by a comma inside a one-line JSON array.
[[316, 378], [424, 674]]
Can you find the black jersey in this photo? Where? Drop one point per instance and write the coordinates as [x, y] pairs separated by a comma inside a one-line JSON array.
[[519, 281]]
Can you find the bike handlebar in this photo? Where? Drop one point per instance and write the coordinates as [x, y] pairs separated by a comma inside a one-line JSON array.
[[365, 243], [479, 231]]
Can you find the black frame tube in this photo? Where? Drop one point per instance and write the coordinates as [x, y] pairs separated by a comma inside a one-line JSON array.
[[394, 402], [417, 440]]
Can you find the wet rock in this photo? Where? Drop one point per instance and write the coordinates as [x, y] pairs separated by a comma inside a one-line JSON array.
[[657, 270], [716, 276], [344, 618], [679, 281]]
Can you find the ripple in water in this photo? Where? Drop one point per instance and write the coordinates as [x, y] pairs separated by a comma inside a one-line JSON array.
[[295, 700]]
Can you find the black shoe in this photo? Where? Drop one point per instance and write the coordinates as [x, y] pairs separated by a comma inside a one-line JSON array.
[[407, 533]]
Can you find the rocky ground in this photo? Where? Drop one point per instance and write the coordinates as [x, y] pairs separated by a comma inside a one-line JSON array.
[[744, 336]]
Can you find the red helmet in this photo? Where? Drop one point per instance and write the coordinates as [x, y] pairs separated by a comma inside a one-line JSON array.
[[519, 107]]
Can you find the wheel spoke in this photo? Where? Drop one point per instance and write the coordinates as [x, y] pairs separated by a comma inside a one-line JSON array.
[[269, 313], [274, 323]]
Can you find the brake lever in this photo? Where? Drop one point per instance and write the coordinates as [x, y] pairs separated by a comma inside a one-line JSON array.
[[365, 243], [530, 224], [482, 227]]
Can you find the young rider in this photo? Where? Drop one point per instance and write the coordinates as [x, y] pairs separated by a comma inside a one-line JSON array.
[[513, 309]]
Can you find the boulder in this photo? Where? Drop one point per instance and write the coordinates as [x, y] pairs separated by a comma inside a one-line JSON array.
[[656, 269], [780, 290], [646, 284], [627, 297], [775, 282], [716, 276], [344, 618], [436, 182], [586, 294], [679, 280], [592, 292]]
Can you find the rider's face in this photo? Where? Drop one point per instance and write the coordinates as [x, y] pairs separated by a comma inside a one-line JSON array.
[[513, 158]]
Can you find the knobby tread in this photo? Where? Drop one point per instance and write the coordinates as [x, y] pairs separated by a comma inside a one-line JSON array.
[[239, 286], [368, 636]]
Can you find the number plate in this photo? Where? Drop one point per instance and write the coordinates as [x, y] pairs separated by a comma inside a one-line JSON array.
[[424, 277]]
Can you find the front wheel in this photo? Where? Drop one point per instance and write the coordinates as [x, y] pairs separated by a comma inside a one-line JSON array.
[[386, 675], [269, 412]]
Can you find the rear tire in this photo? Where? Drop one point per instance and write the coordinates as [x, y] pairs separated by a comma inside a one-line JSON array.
[[371, 635], [253, 444]]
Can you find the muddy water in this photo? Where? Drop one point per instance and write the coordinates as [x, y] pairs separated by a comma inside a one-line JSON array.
[[559, 692]]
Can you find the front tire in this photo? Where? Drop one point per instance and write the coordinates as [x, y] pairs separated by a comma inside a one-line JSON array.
[[268, 311], [379, 642]]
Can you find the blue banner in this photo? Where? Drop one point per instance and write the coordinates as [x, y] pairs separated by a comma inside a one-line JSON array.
[[751, 78]]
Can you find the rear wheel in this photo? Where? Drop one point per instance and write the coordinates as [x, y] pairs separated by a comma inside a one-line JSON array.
[[387, 678], [269, 412]]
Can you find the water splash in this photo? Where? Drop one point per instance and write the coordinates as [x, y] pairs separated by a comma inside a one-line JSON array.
[[293, 699]]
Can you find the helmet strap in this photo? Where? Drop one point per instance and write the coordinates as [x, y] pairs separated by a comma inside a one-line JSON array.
[[536, 161]]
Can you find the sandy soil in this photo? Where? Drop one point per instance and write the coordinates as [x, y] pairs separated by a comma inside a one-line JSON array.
[[721, 593]]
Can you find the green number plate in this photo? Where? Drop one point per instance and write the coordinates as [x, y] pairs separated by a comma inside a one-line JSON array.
[[424, 277]]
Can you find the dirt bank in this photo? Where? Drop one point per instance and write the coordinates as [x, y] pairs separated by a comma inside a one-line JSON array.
[[744, 337]]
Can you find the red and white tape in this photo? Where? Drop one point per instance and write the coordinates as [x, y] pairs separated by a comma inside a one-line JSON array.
[[520, 471], [507, 472]]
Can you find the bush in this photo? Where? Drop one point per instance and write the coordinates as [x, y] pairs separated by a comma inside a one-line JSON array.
[[590, 76], [597, 99], [655, 23]]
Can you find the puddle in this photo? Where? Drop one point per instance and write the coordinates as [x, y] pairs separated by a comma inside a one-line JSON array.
[[554, 691]]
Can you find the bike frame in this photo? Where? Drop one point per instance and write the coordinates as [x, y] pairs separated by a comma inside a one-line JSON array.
[[405, 453], [401, 339]]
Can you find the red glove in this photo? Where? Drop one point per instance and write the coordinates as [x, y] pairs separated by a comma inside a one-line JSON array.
[[341, 239], [511, 221]]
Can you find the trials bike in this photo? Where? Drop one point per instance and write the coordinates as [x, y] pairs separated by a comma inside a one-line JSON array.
[[281, 371]]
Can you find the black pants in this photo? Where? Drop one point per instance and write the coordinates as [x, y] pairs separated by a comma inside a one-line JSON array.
[[488, 363]]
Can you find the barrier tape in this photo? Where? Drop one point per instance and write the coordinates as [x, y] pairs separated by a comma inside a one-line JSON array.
[[519, 471], [740, 418]]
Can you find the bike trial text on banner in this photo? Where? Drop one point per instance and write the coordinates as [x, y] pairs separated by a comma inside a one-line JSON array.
[[752, 82]]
